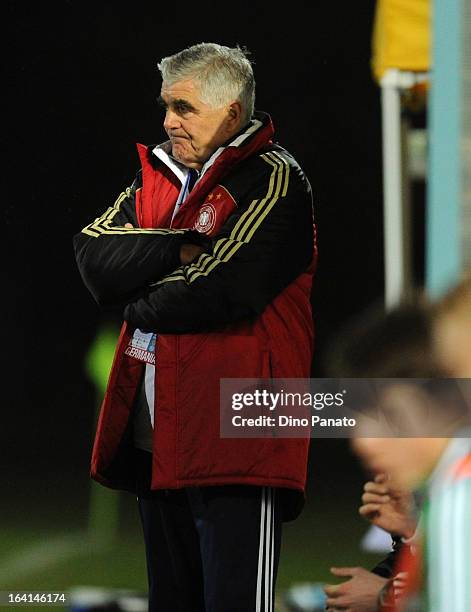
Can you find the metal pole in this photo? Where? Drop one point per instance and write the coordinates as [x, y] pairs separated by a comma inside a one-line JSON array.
[[394, 251]]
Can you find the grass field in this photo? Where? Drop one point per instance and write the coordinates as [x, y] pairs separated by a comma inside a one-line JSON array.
[[46, 542]]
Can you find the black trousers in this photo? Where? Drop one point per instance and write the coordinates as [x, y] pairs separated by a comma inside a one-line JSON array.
[[210, 549]]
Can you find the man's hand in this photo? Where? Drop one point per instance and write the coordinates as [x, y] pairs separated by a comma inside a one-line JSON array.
[[390, 509], [188, 252], [359, 594]]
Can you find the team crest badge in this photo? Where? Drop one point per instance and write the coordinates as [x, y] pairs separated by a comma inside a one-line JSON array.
[[206, 219], [216, 208]]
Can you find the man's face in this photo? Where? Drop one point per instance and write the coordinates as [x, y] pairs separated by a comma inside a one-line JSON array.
[[407, 461], [407, 415], [453, 345], [195, 129]]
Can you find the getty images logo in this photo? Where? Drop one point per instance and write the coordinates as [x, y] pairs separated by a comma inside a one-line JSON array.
[[283, 399]]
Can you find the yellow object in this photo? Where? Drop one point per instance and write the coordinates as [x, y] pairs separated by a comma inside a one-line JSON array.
[[401, 36]]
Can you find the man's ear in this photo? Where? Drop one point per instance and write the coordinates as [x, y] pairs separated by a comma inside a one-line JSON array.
[[235, 115]]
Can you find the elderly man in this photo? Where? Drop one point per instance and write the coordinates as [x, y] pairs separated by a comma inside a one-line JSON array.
[[210, 256]]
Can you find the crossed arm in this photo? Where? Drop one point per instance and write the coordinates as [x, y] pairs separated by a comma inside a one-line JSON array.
[[118, 260], [178, 281]]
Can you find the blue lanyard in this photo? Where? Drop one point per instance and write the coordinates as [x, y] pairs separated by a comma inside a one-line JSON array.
[[182, 196], [184, 191]]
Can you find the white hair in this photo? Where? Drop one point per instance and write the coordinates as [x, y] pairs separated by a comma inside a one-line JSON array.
[[224, 74]]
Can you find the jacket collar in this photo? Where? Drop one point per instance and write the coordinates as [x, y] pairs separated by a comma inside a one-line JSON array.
[[255, 135]]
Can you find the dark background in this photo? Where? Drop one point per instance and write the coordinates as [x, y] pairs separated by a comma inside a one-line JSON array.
[[81, 88]]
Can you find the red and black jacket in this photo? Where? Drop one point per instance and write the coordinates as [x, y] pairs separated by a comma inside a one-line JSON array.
[[240, 310]]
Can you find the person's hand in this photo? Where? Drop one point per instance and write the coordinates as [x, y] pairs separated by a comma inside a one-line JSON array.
[[189, 252], [358, 594], [388, 508]]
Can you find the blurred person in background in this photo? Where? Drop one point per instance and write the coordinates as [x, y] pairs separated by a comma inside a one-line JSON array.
[[391, 510], [369, 347], [452, 330], [433, 571], [438, 563], [209, 255]]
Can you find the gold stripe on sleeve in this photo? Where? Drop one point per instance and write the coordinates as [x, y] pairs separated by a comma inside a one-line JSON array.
[[102, 225]]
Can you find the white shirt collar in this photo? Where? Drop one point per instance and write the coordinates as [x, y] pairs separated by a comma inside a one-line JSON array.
[[162, 151]]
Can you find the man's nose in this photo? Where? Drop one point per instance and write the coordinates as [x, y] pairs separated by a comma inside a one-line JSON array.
[[171, 120]]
